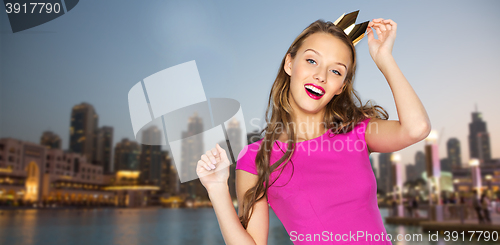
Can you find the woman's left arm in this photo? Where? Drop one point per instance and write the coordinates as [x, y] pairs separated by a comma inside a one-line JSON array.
[[414, 124]]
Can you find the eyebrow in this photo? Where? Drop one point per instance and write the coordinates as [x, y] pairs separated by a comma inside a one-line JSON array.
[[310, 49]]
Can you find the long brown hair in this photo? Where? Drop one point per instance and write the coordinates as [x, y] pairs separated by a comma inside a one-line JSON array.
[[341, 113]]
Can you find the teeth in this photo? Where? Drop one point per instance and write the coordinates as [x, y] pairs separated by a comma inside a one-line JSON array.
[[314, 89]]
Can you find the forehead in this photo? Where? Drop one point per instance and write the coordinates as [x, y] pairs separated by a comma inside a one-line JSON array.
[[329, 46]]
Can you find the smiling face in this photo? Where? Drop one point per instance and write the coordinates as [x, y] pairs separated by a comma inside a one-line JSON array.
[[317, 72]]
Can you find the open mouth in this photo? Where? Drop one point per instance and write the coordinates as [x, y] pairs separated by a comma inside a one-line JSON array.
[[314, 92]]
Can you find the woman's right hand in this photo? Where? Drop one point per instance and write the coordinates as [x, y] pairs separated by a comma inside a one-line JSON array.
[[213, 168]]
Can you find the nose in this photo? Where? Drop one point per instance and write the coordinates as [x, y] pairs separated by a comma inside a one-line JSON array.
[[320, 76]]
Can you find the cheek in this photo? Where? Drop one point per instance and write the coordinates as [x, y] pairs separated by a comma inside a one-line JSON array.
[[300, 70], [295, 84], [336, 86], [297, 79]]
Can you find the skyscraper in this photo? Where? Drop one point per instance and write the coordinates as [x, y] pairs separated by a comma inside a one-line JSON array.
[[479, 140], [191, 151], [234, 132], [484, 148], [420, 165], [82, 130], [411, 174], [126, 156], [169, 180], [454, 154], [150, 160], [385, 171], [445, 164], [50, 140], [104, 148]]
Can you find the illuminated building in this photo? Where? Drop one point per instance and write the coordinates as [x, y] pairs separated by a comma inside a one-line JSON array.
[[234, 132], [83, 129], [192, 149], [479, 140], [454, 155], [126, 155], [104, 148], [150, 157], [385, 172], [50, 140], [32, 174]]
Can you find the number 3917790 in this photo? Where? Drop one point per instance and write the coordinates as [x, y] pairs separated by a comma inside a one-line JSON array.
[[33, 8], [486, 235]]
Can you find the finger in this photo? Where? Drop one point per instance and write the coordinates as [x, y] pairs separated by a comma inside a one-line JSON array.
[[391, 23], [216, 154], [210, 156], [207, 161], [377, 29], [377, 20], [200, 169], [221, 150], [377, 24], [389, 27], [370, 35], [204, 165], [208, 167], [382, 28], [223, 155]]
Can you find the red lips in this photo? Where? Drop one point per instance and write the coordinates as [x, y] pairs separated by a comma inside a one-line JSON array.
[[316, 86], [314, 96]]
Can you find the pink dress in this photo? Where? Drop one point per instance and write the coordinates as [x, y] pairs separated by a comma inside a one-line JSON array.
[[331, 198]]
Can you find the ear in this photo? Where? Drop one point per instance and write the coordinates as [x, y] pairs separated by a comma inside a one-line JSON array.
[[341, 89], [288, 64]]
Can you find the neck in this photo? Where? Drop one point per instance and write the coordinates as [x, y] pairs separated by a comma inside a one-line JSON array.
[[306, 126]]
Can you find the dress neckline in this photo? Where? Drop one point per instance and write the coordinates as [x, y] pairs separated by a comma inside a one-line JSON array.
[[309, 140]]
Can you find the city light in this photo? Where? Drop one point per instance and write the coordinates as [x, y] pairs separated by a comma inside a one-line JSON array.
[[432, 137], [128, 174], [396, 157], [114, 188], [473, 162]]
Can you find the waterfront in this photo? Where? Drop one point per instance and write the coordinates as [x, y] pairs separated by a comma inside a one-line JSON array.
[[142, 226]]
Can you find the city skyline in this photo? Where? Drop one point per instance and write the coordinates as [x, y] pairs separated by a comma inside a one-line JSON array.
[[41, 84], [151, 164], [443, 150]]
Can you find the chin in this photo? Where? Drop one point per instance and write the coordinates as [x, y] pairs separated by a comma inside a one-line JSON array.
[[310, 107]]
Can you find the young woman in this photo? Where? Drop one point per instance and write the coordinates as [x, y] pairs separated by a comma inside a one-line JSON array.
[[312, 166]]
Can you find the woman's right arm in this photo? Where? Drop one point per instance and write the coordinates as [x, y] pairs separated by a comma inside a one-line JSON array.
[[218, 192], [231, 228]]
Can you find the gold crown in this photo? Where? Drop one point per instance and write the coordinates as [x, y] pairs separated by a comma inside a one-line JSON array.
[[354, 32]]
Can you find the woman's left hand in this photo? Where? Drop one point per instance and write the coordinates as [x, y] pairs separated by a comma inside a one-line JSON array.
[[386, 34]]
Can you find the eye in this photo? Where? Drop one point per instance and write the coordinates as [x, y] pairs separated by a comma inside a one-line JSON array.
[[337, 72], [309, 60]]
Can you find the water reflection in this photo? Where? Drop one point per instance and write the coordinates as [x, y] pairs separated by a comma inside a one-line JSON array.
[[126, 227], [148, 226]]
